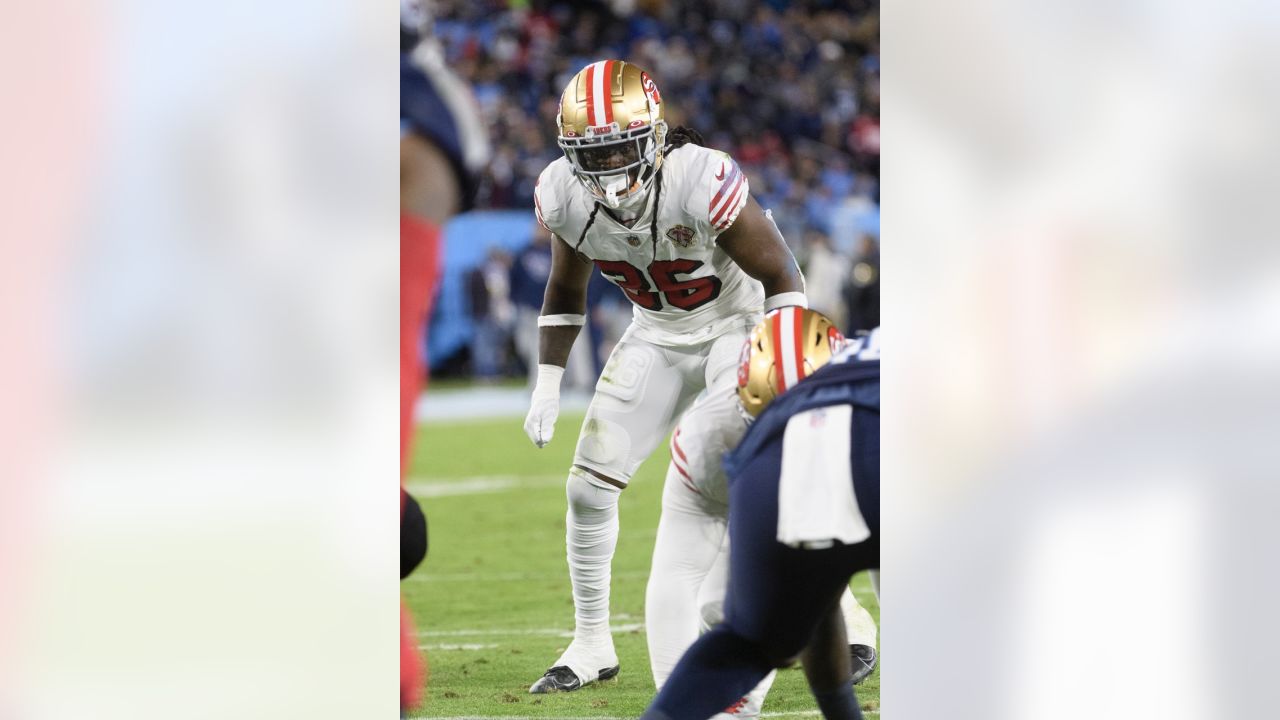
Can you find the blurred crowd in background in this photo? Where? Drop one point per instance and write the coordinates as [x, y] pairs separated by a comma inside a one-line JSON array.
[[790, 89]]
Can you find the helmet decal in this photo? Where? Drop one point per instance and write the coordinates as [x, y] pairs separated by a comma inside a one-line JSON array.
[[835, 339], [744, 364], [650, 88]]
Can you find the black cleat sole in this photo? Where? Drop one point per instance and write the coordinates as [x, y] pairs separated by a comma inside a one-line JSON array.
[[864, 659], [561, 679]]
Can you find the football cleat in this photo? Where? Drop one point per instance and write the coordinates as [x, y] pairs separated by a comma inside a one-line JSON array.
[[561, 679], [740, 710], [864, 660]]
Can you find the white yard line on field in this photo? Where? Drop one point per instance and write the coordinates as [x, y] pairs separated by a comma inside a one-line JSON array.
[[478, 485], [556, 632], [512, 577], [457, 646]]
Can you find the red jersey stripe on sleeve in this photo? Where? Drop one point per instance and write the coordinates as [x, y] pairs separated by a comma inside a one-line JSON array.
[[727, 187], [729, 207]]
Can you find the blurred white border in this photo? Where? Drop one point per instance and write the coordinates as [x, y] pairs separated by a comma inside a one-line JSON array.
[[1080, 272]]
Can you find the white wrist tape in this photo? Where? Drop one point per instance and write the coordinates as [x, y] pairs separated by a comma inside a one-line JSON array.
[[548, 379], [560, 320], [786, 299]]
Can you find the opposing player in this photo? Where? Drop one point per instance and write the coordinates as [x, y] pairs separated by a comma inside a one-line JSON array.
[[690, 558], [673, 224], [442, 146], [804, 510]]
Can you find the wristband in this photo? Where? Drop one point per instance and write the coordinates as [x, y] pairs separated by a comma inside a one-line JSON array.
[[560, 320], [786, 299], [548, 379]]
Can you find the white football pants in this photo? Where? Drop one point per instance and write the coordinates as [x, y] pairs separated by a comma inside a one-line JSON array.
[[643, 389]]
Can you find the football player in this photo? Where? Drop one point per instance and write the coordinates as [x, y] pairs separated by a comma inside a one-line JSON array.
[[673, 224], [442, 146], [804, 489], [690, 564]]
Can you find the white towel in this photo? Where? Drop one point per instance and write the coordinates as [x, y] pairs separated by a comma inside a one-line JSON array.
[[816, 504]]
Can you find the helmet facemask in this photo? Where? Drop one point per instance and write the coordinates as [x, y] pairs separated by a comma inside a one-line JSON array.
[[616, 164]]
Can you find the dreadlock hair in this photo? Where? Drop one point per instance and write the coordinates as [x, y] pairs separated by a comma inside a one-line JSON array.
[[653, 226], [595, 208], [682, 135], [678, 137]]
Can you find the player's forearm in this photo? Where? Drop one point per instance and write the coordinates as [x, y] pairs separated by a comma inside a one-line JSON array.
[[564, 308], [786, 278], [554, 344]]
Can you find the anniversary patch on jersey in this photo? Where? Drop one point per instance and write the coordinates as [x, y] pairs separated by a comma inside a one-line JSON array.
[[681, 236]]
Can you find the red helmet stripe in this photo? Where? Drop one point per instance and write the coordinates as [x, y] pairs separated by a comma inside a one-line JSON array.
[[780, 382], [787, 359], [599, 102], [799, 339], [606, 97]]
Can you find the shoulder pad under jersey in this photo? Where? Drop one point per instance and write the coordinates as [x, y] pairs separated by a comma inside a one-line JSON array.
[[715, 188], [551, 195]]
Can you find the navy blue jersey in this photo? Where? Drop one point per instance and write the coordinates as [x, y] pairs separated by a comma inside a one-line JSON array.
[[779, 591], [437, 106], [851, 378]]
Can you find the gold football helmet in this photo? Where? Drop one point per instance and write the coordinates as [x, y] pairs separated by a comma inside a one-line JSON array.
[[612, 129], [790, 344]]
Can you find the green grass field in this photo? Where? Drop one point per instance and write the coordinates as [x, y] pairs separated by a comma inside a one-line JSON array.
[[492, 600]]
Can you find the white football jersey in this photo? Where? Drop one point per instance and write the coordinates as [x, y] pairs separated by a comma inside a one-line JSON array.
[[686, 290]]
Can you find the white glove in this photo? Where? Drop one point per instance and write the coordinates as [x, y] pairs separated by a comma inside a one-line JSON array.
[[544, 406]]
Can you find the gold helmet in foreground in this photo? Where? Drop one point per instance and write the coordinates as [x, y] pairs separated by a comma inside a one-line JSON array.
[[789, 345], [612, 129]]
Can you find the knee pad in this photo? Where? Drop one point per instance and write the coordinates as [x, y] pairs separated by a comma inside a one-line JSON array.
[[605, 444], [588, 492]]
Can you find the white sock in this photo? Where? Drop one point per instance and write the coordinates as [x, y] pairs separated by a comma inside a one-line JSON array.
[[858, 623], [688, 544], [590, 538]]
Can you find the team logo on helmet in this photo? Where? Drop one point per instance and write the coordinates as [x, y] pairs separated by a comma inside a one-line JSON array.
[[744, 365], [681, 236], [650, 88], [835, 339]]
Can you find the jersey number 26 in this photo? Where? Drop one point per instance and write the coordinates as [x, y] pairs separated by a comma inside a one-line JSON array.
[[687, 294]]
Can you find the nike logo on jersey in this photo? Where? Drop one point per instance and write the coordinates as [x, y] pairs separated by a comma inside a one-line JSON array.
[[720, 175]]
